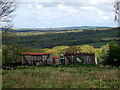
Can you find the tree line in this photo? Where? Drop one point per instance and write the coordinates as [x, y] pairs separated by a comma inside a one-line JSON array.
[[107, 55]]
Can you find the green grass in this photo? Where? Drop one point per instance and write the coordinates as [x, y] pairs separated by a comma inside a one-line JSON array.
[[73, 76], [0, 79]]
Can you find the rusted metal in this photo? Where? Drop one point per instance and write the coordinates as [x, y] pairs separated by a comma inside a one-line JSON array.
[[79, 54], [45, 58], [86, 58], [41, 58]]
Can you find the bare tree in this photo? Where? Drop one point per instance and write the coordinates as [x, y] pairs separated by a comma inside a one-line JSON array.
[[6, 9], [116, 10]]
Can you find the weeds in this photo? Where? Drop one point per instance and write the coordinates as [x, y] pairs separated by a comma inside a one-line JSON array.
[[61, 77]]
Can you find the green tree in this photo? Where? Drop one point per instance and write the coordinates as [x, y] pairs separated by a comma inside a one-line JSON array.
[[102, 54], [12, 53], [113, 55]]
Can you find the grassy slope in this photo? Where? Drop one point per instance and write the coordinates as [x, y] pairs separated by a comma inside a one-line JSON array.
[[84, 76]]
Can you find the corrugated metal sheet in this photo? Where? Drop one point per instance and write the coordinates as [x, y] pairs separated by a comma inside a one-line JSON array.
[[79, 54], [56, 57]]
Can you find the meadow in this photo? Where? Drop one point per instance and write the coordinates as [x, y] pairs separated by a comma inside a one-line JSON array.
[[72, 76]]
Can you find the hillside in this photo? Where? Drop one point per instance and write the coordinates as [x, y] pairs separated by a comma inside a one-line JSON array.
[[94, 37]]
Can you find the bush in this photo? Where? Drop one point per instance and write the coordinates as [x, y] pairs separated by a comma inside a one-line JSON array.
[[102, 54], [113, 55]]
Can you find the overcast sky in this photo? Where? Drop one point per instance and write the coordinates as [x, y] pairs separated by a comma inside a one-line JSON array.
[[62, 13]]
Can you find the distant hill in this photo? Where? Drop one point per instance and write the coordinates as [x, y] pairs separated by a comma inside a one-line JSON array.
[[56, 29], [96, 38], [86, 27]]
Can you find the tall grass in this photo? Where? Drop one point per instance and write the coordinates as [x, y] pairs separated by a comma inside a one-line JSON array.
[[61, 77]]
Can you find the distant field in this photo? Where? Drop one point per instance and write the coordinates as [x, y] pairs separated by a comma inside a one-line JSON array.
[[83, 76], [43, 32], [54, 31], [29, 33]]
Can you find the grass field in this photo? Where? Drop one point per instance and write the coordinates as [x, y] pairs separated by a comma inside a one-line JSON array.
[[83, 76]]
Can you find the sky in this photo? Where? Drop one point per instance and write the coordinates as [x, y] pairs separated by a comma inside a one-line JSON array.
[[63, 13]]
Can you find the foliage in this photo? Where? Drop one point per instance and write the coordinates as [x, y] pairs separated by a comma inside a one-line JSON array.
[[113, 55], [57, 50], [78, 49], [12, 53], [102, 53], [9, 52], [87, 49], [72, 49], [50, 39]]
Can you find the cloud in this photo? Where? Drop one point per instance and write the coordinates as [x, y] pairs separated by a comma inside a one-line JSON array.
[[88, 8], [104, 17], [64, 12], [67, 9], [92, 1]]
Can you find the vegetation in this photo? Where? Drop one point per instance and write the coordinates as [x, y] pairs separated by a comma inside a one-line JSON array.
[[12, 54], [82, 76], [113, 55], [96, 38], [72, 76], [69, 39], [106, 55], [13, 44]]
